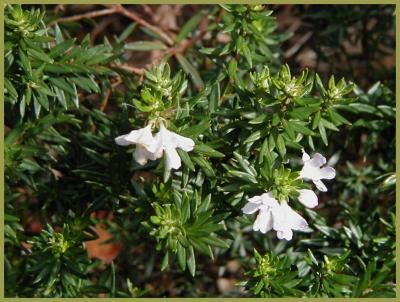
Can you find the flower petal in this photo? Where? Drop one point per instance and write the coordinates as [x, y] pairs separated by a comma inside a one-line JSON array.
[[140, 136], [123, 140], [257, 222], [320, 185], [327, 173], [251, 207], [269, 201], [184, 143], [308, 198], [158, 145], [255, 199], [285, 234], [294, 220], [279, 218], [172, 159], [317, 160], [141, 155], [263, 222], [266, 223], [145, 136], [305, 157], [268, 195]]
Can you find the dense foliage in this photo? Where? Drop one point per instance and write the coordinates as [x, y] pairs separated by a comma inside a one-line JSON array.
[[250, 117]]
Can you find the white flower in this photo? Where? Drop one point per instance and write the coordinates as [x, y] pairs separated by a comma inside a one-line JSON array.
[[168, 141], [272, 215], [143, 139], [268, 207], [312, 170], [289, 220], [308, 198], [149, 147]]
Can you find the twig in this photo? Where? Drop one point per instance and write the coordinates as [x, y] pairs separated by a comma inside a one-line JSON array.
[[296, 47], [136, 70], [105, 100], [131, 15], [203, 31], [99, 27], [147, 9], [183, 45], [113, 9], [88, 15]]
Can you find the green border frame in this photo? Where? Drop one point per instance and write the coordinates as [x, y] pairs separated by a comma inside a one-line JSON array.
[[300, 2]]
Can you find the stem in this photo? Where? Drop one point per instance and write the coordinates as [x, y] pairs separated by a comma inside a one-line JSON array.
[[131, 15], [117, 9], [136, 70], [88, 15]]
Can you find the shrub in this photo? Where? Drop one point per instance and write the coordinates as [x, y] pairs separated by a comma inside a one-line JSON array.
[[222, 130]]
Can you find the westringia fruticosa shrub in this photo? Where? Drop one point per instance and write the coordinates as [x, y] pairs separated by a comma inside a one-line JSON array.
[[218, 152]]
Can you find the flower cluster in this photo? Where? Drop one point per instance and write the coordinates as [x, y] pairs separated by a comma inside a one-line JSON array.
[[279, 216], [149, 147]]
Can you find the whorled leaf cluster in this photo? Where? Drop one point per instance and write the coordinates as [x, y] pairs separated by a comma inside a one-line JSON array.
[[250, 119]]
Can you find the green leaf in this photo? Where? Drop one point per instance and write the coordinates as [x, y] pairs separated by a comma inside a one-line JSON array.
[[58, 34], [10, 89], [208, 151], [165, 261], [201, 246], [36, 106], [141, 107], [204, 165], [75, 98], [280, 145], [189, 69], [263, 151], [244, 164], [232, 71], [191, 261], [319, 85], [288, 129], [316, 120], [254, 136], [302, 113], [14, 135], [24, 62], [329, 125], [182, 257], [311, 257], [196, 130], [246, 177], [145, 46], [361, 107], [337, 118], [189, 27], [308, 101], [61, 48], [62, 84], [262, 118], [88, 84], [247, 55], [322, 131], [60, 96], [40, 55], [186, 159], [28, 95], [215, 96], [300, 128], [214, 241], [185, 210], [127, 31]]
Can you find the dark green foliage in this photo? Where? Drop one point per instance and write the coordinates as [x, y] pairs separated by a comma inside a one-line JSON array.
[[250, 116]]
